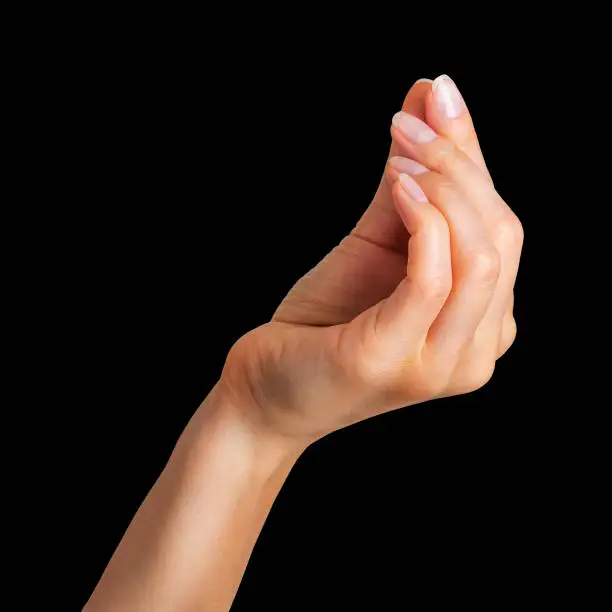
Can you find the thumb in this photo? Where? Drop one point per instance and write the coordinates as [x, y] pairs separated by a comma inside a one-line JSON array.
[[414, 103], [380, 223]]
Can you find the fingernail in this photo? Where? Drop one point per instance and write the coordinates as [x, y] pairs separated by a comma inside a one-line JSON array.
[[412, 188], [406, 165], [413, 128], [423, 81], [447, 97]]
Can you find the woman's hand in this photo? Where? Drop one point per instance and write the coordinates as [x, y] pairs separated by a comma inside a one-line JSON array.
[[415, 304]]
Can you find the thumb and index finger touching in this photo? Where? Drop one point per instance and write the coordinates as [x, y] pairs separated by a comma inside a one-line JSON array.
[[380, 223], [446, 113], [407, 314]]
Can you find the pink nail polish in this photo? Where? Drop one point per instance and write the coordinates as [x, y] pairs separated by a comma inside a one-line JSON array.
[[447, 97], [412, 188], [413, 128], [407, 166]]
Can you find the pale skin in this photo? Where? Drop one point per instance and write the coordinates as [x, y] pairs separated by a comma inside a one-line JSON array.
[[416, 303]]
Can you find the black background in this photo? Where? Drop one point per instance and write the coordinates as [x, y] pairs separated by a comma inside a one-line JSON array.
[[204, 185]]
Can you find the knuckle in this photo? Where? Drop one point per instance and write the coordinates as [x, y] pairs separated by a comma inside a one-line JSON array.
[[508, 232], [442, 190], [446, 156], [415, 380], [364, 368], [484, 264], [432, 288], [435, 220], [433, 376], [478, 377], [370, 369], [426, 387]]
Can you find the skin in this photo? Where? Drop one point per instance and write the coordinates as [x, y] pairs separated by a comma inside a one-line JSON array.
[[415, 304]]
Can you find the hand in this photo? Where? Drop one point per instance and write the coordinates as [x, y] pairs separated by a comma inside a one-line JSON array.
[[415, 304]]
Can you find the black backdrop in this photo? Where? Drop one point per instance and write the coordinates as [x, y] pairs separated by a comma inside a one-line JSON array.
[[212, 184]]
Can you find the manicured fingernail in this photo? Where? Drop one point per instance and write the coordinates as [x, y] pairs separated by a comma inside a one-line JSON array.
[[413, 128], [447, 97], [423, 81], [412, 188], [406, 165]]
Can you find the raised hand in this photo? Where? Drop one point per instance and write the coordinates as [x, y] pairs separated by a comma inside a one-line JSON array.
[[415, 304]]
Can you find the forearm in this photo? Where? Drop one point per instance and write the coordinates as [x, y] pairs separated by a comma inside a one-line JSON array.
[[188, 545]]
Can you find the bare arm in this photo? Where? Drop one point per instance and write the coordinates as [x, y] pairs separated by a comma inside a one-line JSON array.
[[189, 543], [416, 303]]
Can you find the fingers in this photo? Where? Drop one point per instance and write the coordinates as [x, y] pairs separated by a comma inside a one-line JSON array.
[[484, 238], [414, 104], [507, 235], [420, 142], [447, 113], [405, 317], [475, 262], [443, 156], [476, 248]]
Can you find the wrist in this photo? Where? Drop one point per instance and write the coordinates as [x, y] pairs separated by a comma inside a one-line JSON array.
[[222, 422]]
